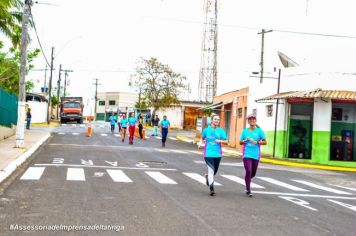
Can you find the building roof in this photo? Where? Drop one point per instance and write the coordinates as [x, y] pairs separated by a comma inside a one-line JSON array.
[[316, 93]]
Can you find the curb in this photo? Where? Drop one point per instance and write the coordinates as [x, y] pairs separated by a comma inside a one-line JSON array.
[[8, 170]]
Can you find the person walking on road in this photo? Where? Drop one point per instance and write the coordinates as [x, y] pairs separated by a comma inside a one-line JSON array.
[[140, 127], [28, 118], [214, 137], [155, 125], [251, 138], [123, 124], [165, 124], [132, 123], [112, 123]]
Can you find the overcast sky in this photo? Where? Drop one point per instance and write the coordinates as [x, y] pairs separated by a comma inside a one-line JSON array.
[[104, 39]]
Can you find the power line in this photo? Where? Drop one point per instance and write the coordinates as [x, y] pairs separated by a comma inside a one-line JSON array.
[[258, 28], [38, 39]]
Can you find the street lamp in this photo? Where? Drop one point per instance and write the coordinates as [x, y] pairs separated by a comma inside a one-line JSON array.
[[277, 103]]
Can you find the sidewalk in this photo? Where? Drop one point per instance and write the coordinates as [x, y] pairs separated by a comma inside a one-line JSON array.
[[232, 152], [11, 157]]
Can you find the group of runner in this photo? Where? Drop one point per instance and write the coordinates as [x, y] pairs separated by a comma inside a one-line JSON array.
[[129, 123], [251, 138]]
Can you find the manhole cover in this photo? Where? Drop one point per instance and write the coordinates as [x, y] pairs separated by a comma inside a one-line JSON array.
[[153, 162]]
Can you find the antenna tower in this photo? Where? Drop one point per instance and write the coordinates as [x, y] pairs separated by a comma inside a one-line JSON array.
[[208, 62]]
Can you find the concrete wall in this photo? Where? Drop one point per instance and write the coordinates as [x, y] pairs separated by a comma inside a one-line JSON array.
[[175, 115], [38, 111], [6, 132]]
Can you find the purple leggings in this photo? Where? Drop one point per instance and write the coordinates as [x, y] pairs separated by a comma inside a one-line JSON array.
[[251, 169]]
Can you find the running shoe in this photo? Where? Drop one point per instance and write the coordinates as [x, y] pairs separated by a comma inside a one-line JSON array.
[[207, 181], [212, 192]]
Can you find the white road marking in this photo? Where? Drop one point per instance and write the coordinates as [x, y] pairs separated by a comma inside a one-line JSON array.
[[241, 181], [61, 133], [99, 174], [140, 164], [162, 150], [75, 133], [305, 195], [75, 174], [89, 162], [63, 124], [119, 176], [114, 167], [178, 151], [349, 206], [348, 188], [332, 190], [117, 135], [199, 178], [157, 137], [82, 125], [112, 163], [74, 125], [33, 173], [104, 135], [299, 202], [196, 152], [160, 178], [172, 138], [282, 184], [58, 161]]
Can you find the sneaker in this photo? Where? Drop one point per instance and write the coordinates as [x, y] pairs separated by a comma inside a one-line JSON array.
[[207, 181], [152, 135], [122, 140], [249, 194], [212, 192], [163, 145]]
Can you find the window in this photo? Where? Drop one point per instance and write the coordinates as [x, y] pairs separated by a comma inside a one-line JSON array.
[[111, 102], [101, 103], [269, 110], [239, 112], [71, 105], [254, 111]]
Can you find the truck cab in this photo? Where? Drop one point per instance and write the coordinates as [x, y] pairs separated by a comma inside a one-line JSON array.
[[72, 109]]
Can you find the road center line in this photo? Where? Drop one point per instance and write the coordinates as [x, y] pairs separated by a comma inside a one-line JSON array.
[[107, 167]]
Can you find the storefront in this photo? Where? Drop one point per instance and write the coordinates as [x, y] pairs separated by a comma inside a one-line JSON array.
[[320, 126]]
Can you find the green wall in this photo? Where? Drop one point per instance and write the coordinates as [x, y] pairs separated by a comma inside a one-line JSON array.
[[280, 151], [321, 147]]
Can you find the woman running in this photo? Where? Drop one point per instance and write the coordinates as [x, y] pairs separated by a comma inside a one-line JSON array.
[[214, 137], [132, 123], [123, 123], [251, 138]]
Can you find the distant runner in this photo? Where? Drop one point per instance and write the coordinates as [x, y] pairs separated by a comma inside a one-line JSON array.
[[165, 124], [132, 123], [123, 123]]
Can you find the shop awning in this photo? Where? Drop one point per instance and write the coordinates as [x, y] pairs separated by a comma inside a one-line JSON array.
[[316, 93], [212, 106]]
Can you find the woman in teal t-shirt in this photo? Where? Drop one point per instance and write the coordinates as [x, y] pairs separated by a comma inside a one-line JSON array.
[[214, 137]]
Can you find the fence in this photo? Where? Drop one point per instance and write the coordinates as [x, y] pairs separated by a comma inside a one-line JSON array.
[[8, 108]]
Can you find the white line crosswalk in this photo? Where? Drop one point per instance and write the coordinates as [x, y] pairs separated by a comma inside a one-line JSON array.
[[159, 176]]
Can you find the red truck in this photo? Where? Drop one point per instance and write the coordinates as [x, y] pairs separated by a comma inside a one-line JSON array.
[[72, 109]]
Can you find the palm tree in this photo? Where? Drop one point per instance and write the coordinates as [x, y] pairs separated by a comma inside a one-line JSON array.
[[10, 20]]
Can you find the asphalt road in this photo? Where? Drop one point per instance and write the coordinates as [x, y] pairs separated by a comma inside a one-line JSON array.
[[144, 189]]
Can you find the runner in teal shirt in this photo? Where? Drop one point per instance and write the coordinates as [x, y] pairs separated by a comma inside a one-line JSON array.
[[123, 123], [214, 137]]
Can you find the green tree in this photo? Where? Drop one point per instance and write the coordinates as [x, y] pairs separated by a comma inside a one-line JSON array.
[[158, 83], [10, 69], [10, 20]]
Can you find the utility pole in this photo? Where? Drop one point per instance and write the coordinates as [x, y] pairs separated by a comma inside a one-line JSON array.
[[20, 127], [262, 51], [50, 87], [45, 80], [96, 96], [59, 87], [276, 117], [65, 80]]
